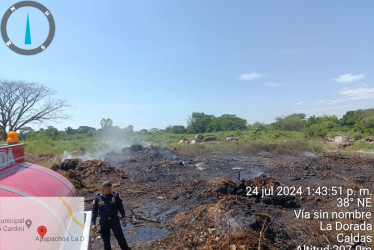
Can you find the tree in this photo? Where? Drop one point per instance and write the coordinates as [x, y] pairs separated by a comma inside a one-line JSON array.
[[326, 121], [154, 130], [22, 103], [198, 122], [351, 117], [293, 122], [106, 122], [227, 122], [69, 131], [176, 129], [85, 130], [50, 132], [25, 132], [321, 125], [315, 130], [366, 125], [257, 127], [128, 130]]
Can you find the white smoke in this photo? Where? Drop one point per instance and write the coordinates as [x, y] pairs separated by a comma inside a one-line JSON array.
[[112, 140], [83, 157]]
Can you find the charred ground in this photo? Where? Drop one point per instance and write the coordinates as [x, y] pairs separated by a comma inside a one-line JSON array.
[[175, 200]]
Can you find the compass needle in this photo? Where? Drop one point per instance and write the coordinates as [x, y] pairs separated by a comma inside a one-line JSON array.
[[28, 33]]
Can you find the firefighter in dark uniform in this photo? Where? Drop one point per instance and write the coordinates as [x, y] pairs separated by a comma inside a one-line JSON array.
[[107, 204]]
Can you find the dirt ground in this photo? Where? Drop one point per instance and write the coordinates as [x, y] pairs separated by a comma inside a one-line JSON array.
[[181, 201]]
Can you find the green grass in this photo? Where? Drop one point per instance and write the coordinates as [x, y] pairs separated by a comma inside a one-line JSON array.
[[279, 142], [361, 146], [57, 147], [175, 138], [276, 146], [281, 145]]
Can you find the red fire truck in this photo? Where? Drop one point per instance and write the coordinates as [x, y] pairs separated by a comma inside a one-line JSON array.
[[33, 182], [19, 178]]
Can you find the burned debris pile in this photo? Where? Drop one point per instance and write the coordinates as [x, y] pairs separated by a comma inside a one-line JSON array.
[[83, 173], [199, 202], [232, 218], [251, 188]]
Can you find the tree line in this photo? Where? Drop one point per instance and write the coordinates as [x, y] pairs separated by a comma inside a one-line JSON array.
[[24, 103], [202, 123], [359, 122]]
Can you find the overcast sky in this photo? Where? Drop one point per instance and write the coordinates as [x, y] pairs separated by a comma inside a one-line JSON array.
[[152, 63]]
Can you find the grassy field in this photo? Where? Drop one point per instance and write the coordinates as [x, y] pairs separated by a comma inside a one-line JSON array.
[[249, 135], [278, 142], [57, 147], [276, 146], [285, 144]]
